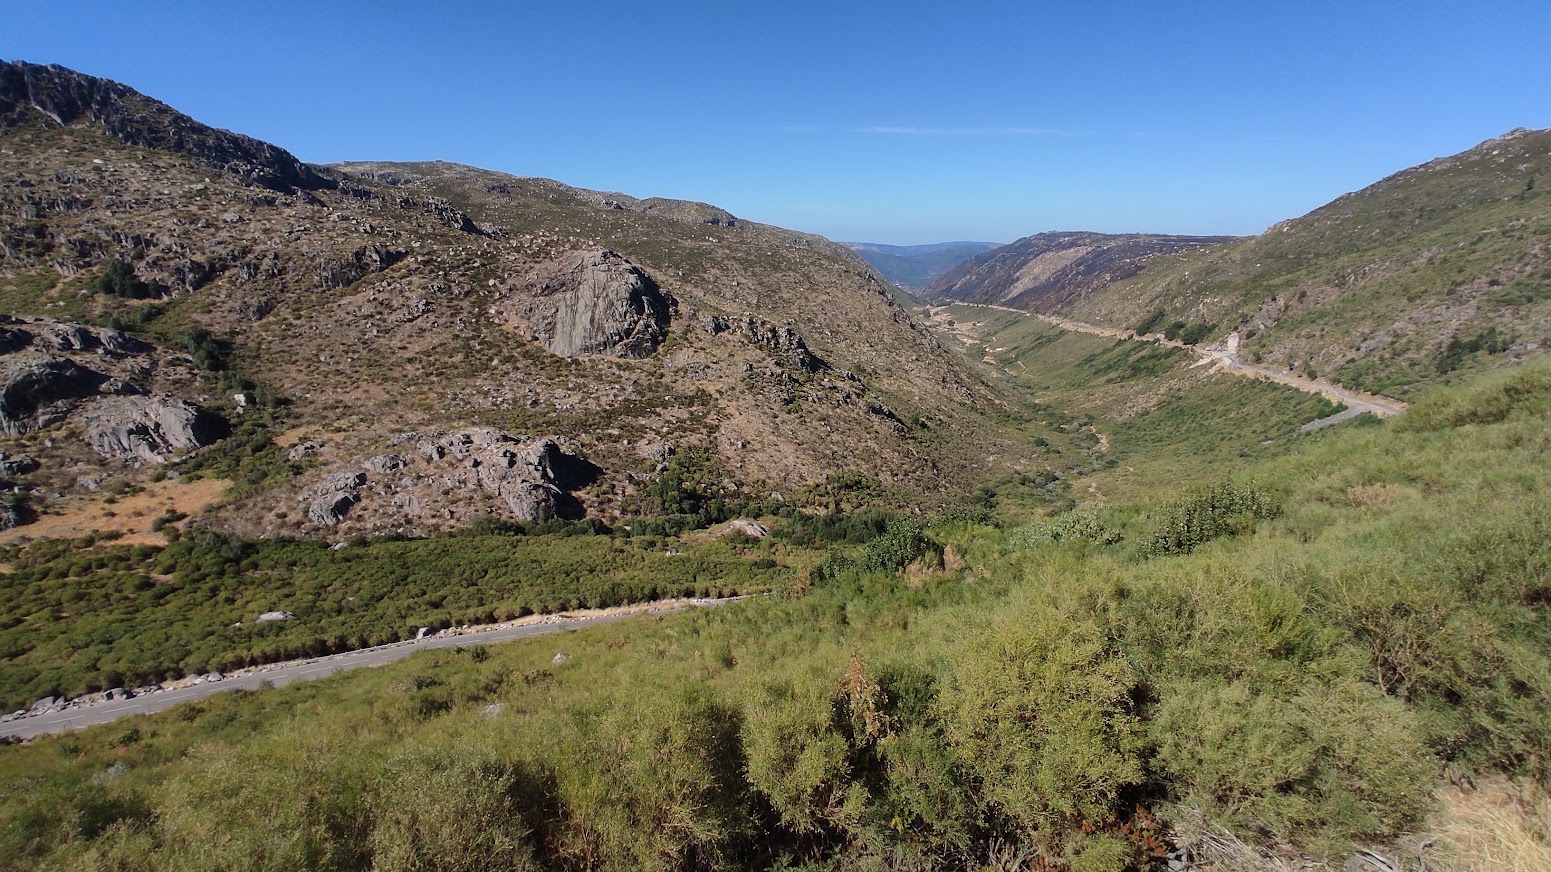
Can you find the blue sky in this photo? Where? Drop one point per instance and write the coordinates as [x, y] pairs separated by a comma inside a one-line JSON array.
[[885, 122]]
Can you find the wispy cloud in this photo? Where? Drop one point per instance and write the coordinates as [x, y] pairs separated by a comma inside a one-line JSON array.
[[963, 131]]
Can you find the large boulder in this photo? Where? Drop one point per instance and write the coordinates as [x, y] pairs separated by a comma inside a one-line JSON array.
[[32, 383], [329, 509], [11, 464], [14, 515], [334, 497], [13, 339], [598, 303], [150, 429]]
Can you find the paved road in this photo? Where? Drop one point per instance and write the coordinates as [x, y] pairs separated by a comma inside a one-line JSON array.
[[306, 670]]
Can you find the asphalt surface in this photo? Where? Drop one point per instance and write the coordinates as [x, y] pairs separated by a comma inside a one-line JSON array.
[[307, 670]]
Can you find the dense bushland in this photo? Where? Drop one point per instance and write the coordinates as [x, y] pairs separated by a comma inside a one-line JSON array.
[[1059, 699], [78, 620]]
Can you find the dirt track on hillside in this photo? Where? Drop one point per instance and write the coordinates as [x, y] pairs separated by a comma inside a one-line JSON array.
[[1226, 359]]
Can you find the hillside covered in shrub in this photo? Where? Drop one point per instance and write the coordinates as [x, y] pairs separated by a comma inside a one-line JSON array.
[[1283, 663]]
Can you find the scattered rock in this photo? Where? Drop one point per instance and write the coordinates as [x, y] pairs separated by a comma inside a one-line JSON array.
[[560, 658], [385, 463], [493, 710], [17, 464], [304, 450], [274, 616]]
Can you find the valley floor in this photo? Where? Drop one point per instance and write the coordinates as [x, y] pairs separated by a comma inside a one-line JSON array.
[[1224, 358], [92, 711]]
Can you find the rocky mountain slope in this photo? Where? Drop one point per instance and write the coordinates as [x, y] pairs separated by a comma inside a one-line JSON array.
[[913, 267], [1434, 270], [1044, 272], [408, 347]]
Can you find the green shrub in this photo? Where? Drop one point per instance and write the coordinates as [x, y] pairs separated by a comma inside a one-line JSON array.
[[1079, 526], [797, 760], [1150, 323], [901, 544], [1223, 509], [450, 812], [1331, 763], [118, 279], [648, 781], [1041, 712], [1523, 391]]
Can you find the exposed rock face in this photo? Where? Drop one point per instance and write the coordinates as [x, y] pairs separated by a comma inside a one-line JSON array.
[[780, 342], [13, 339], [66, 97], [598, 303], [526, 480], [14, 515], [53, 336], [343, 270], [532, 478], [335, 497], [14, 465], [385, 463], [748, 527], [150, 429], [32, 383], [330, 509]]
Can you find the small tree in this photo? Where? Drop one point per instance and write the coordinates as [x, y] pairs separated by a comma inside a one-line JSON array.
[[118, 279]]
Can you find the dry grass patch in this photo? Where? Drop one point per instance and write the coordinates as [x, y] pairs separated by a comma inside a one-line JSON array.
[[1500, 826], [131, 516]]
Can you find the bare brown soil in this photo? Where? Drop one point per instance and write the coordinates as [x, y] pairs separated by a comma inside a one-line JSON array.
[[131, 516]]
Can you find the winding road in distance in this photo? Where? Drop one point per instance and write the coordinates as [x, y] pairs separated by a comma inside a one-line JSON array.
[[1227, 359], [318, 667]]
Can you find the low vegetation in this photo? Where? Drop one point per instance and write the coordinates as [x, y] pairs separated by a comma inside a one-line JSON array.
[[1047, 693], [80, 620]]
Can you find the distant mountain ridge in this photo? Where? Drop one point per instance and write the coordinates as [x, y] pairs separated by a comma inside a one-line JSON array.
[[913, 267], [1046, 271]]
